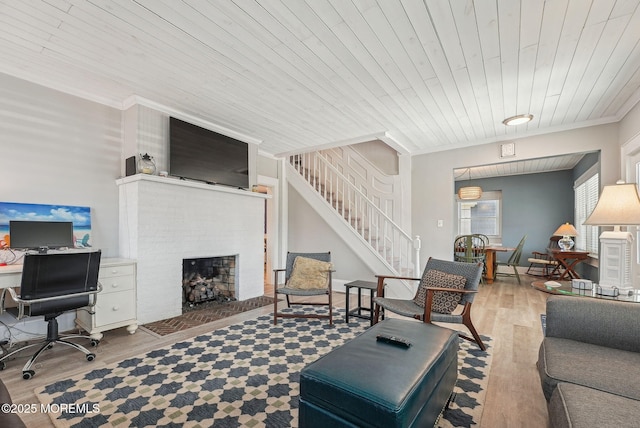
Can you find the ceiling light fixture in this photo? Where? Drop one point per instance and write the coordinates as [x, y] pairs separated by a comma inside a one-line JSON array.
[[469, 192], [518, 120]]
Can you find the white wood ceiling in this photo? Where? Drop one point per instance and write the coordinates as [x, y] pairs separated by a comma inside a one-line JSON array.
[[529, 166], [425, 75]]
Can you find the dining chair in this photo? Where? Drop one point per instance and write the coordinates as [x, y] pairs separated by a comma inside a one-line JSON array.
[[513, 262]]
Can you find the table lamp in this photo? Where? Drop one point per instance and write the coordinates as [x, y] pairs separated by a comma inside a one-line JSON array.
[[566, 231], [618, 205]]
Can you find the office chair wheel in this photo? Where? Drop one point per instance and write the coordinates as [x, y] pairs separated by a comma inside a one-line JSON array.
[[28, 374], [3, 365], [91, 357], [94, 342]]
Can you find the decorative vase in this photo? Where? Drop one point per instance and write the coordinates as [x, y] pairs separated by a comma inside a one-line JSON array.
[[146, 164]]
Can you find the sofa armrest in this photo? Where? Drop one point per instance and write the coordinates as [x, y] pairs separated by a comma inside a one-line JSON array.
[[613, 324]]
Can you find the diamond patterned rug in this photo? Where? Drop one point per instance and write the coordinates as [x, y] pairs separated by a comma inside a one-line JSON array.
[[244, 375]]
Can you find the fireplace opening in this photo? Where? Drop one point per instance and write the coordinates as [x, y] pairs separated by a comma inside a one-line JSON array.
[[208, 279]]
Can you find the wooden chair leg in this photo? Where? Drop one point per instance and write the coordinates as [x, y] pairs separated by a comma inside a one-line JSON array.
[[275, 305], [466, 320]]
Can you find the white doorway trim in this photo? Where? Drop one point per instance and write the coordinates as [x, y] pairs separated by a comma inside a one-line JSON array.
[[273, 230]]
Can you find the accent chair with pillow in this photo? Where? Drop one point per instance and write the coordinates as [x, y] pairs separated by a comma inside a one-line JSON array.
[[444, 286], [305, 275]]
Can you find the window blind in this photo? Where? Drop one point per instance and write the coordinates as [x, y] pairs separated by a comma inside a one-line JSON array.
[[586, 198]]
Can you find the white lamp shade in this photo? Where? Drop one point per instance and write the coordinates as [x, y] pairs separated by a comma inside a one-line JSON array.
[[618, 205], [566, 230], [470, 192]]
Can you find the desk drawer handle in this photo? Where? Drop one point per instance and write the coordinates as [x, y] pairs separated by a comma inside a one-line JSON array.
[[114, 271], [115, 308], [114, 285]]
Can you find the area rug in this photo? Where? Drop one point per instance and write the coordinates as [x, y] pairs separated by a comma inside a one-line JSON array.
[[205, 313], [244, 375]]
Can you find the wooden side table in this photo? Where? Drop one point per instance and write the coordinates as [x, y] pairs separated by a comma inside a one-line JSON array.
[[357, 311]]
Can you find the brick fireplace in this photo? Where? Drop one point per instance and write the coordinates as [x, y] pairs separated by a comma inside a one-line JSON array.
[[165, 220], [208, 279]]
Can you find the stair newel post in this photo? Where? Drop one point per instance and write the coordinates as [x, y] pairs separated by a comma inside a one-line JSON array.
[[416, 246]]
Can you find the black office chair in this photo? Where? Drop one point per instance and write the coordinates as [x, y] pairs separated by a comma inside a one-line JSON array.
[[51, 285]]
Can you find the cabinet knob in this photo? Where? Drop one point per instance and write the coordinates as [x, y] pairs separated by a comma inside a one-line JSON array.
[[115, 308], [114, 285]]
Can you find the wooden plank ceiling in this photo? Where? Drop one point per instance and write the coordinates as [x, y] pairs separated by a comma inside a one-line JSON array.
[[423, 75]]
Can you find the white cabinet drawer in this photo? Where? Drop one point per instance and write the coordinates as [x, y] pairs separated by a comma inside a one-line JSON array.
[[116, 283], [115, 307], [117, 270]]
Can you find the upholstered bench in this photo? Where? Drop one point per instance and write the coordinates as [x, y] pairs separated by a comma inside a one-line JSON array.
[[367, 382]]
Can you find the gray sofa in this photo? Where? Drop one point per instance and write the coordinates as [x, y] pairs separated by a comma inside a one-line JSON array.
[[589, 362], [8, 416]]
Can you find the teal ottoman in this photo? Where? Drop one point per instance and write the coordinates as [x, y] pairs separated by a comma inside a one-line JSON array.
[[370, 383]]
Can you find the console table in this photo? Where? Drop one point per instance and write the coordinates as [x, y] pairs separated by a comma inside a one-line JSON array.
[[116, 303]]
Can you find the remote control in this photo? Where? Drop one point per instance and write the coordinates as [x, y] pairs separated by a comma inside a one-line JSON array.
[[393, 340]]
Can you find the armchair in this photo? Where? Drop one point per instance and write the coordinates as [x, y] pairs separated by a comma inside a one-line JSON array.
[[51, 285], [444, 285], [306, 274]]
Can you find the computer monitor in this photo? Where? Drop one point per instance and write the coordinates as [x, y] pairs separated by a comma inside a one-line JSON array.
[[40, 234]]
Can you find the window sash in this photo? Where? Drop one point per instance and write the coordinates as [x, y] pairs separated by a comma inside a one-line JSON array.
[[485, 219]]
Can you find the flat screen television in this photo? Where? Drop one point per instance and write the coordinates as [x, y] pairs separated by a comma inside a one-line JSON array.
[[200, 154], [40, 234]]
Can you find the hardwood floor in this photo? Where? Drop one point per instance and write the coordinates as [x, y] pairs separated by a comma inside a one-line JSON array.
[[508, 312]]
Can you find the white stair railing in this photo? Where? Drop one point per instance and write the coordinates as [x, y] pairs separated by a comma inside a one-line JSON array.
[[384, 236]]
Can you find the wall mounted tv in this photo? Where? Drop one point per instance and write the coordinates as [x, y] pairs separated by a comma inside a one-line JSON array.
[[200, 154]]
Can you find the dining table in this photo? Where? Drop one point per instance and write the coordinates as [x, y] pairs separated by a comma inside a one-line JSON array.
[[491, 261]]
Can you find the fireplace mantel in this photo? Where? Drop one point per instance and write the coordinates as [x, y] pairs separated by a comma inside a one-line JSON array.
[[174, 181], [165, 220]]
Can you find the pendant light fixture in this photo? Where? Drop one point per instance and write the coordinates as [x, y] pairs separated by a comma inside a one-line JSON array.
[[468, 193]]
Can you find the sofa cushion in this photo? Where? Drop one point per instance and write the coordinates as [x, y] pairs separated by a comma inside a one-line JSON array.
[[309, 274], [575, 406], [443, 302], [607, 369]]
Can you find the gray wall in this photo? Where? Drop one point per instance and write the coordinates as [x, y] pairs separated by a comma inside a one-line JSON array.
[[533, 205], [60, 149]]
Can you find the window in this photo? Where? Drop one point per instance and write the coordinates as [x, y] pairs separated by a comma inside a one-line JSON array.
[[481, 216], [586, 190]]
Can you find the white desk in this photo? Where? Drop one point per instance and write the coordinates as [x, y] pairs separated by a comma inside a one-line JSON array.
[[116, 303]]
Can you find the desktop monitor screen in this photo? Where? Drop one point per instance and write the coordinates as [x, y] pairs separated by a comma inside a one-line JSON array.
[[40, 234]]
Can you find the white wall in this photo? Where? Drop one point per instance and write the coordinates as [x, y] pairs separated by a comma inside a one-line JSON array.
[[59, 149], [308, 232], [433, 184]]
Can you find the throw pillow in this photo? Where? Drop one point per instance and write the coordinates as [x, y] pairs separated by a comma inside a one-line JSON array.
[[309, 274], [443, 302]]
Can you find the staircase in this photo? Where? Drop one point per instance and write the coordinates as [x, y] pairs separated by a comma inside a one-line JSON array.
[[374, 235]]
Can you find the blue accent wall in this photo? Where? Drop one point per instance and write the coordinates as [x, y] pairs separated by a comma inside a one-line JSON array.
[[533, 205]]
